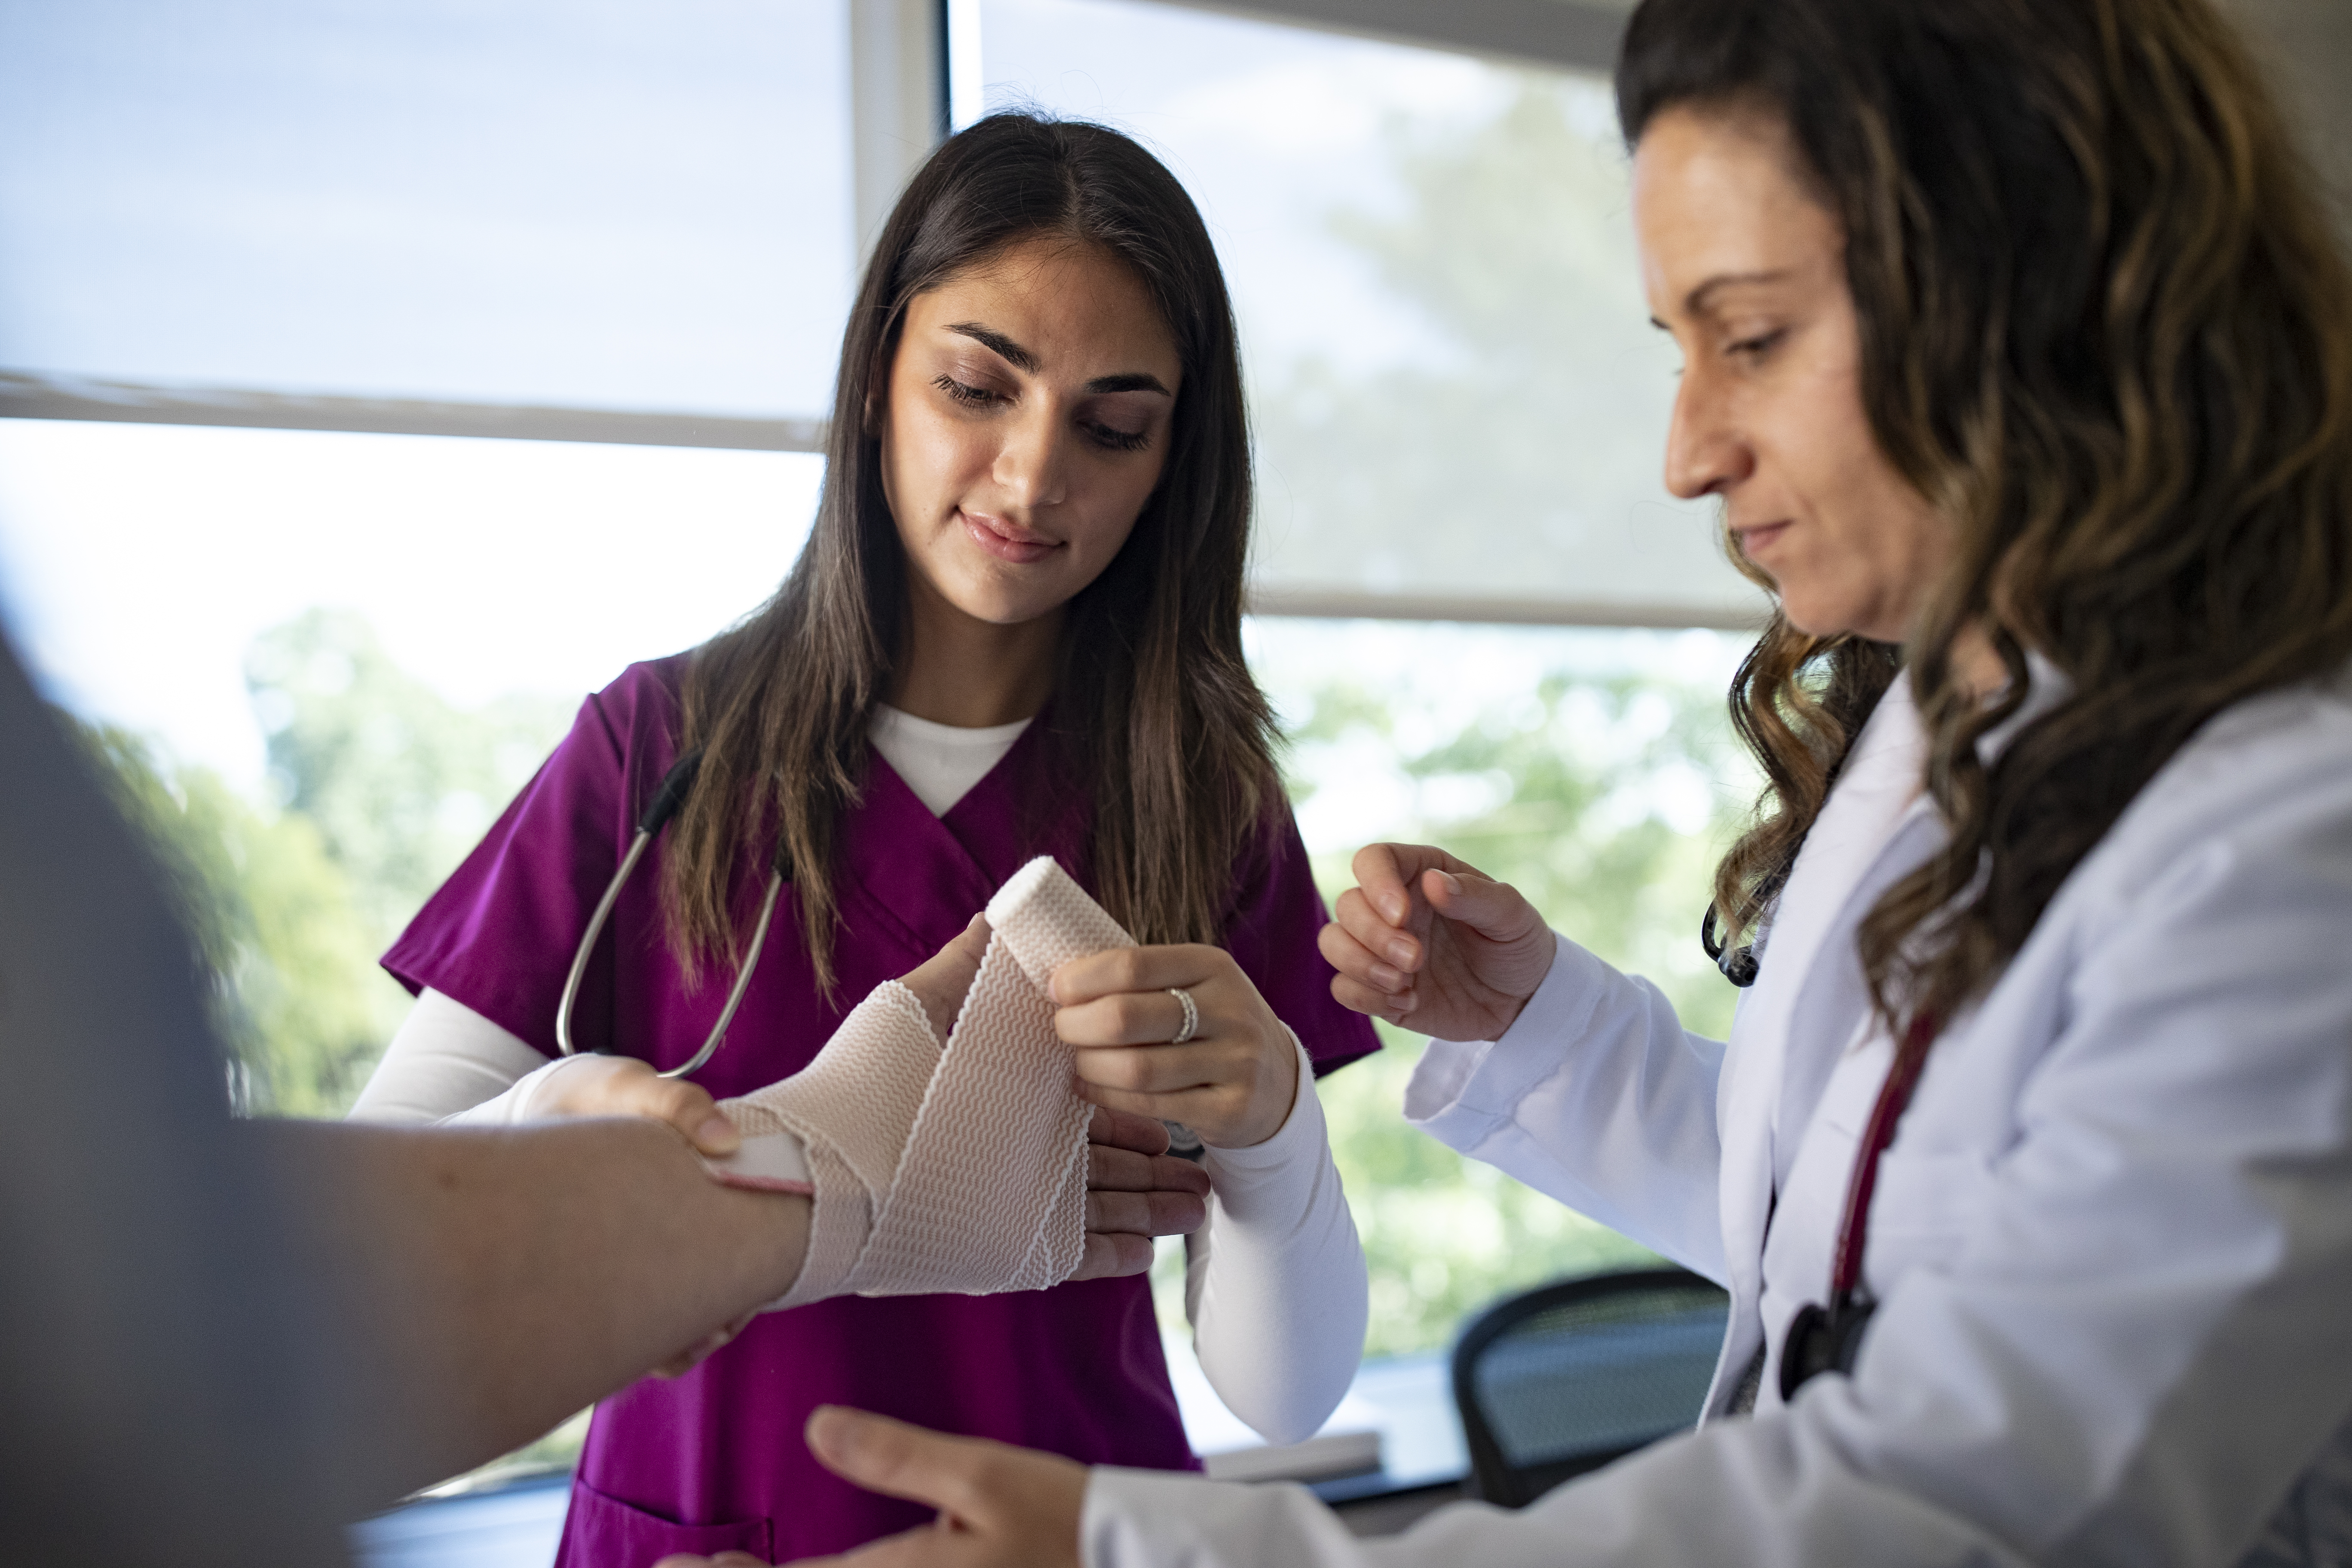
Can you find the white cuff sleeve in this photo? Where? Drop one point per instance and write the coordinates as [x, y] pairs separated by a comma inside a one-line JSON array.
[[444, 1059], [1152, 1518], [1276, 1289]]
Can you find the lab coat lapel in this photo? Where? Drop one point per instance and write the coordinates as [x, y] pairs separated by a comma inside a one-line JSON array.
[[1880, 783]]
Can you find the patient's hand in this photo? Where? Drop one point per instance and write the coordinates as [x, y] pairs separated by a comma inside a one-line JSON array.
[[1134, 1188], [624, 1086], [942, 980]]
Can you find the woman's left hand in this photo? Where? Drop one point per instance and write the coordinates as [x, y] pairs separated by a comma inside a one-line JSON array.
[[1233, 1081], [1000, 1507]]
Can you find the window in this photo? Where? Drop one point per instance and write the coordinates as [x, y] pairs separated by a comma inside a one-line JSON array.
[[613, 205]]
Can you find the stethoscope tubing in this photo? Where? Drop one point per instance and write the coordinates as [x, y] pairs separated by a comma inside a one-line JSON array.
[[656, 815]]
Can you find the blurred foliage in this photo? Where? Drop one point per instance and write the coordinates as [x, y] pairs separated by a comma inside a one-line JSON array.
[[1568, 793], [381, 787], [275, 922], [1535, 418], [399, 782]]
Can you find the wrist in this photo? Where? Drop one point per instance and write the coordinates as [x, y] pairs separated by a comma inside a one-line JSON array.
[[1301, 1122]]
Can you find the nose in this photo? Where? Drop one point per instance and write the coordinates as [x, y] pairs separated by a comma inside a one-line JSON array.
[[1032, 463], [1705, 453]]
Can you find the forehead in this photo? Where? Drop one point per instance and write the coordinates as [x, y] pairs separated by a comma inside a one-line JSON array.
[[1717, 193], [1080, 310]]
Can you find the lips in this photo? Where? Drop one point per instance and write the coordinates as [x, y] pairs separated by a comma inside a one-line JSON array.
[[1007, 541], [1756, 537]]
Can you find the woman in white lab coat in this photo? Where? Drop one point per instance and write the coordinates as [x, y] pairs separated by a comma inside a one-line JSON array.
[[2019, 353]]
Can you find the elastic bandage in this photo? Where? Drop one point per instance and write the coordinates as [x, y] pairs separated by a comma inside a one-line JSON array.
[[958, 1169]]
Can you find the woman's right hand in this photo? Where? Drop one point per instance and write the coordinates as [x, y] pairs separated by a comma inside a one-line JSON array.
[[1432, 943], [624, 1086]]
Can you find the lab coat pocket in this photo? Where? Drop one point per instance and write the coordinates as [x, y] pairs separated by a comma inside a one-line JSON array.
[[1922, 1210], [602, 1531]]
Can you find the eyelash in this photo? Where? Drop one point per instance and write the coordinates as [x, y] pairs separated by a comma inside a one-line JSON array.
[[978, 396], [1120, 440], [1757, 347], [981, 397]]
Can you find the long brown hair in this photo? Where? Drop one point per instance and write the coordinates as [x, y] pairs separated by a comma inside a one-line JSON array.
[[1152, 701], [2106, 328]]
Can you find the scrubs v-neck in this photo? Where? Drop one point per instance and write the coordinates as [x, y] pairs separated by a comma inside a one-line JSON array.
[[714, 1460]]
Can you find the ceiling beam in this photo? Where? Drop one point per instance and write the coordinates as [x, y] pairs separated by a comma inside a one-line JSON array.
[[1573, 35], [25, 396]]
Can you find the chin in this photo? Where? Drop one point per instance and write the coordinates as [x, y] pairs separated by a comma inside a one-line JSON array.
[[991, 604]]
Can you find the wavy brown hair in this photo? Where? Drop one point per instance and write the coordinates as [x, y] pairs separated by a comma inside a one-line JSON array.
[[1152, 704], [2107, 331]]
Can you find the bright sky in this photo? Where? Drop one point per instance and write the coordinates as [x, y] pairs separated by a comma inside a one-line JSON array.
[[137, 563]]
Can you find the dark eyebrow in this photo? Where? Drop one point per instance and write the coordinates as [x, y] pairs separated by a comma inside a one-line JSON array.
[[1697, 300], [1013, 353]]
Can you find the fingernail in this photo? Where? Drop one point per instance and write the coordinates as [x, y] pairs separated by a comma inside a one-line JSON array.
[[1387, 979], [716, 1131], [1453, 883], [1393, 908], [1400, 953]]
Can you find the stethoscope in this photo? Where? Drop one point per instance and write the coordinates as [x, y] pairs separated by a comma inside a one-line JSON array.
[[1829, 1338], [672, 794]]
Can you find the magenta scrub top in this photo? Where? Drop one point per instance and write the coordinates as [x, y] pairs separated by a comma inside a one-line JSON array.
[[714, 1461]]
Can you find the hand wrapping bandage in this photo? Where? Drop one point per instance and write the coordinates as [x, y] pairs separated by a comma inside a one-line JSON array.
[[959, 1170]]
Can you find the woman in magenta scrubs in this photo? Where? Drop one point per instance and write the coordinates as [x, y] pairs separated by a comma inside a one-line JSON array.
[[1015, 630]]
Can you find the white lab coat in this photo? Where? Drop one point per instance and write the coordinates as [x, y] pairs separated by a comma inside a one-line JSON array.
[[2112, 1242]]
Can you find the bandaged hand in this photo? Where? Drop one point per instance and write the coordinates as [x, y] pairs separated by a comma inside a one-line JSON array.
[[966, 1168], [1233, 1081]]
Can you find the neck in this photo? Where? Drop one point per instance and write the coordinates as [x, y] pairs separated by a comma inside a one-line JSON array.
[[969, 673]]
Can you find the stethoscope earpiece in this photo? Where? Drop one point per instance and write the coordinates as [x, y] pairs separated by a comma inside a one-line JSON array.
[[1738, 963]]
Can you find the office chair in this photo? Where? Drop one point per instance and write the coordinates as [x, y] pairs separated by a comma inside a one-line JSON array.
[[1564, 1378]]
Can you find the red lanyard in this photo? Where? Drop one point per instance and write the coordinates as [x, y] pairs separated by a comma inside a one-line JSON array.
[[1828, 1339], [1894, 1098]]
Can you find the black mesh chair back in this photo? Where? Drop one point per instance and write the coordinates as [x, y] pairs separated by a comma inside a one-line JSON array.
[[1570, 1375]]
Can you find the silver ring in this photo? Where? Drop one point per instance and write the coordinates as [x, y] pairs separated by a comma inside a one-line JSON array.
[[1192, 1016]]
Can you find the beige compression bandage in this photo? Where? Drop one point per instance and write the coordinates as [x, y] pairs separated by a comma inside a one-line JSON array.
[[959, 1170]]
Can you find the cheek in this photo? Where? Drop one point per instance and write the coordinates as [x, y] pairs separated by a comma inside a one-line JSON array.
[[1121, 497], [929, 461]]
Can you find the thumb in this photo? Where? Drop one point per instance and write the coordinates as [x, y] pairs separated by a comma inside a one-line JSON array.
[[1496, 910], [893, 1458]]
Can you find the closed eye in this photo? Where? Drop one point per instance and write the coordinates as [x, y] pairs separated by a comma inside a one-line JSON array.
[[974, 396], [1120, 440]]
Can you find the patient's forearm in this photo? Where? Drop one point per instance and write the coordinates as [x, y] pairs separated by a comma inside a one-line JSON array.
[[499, 1280]]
